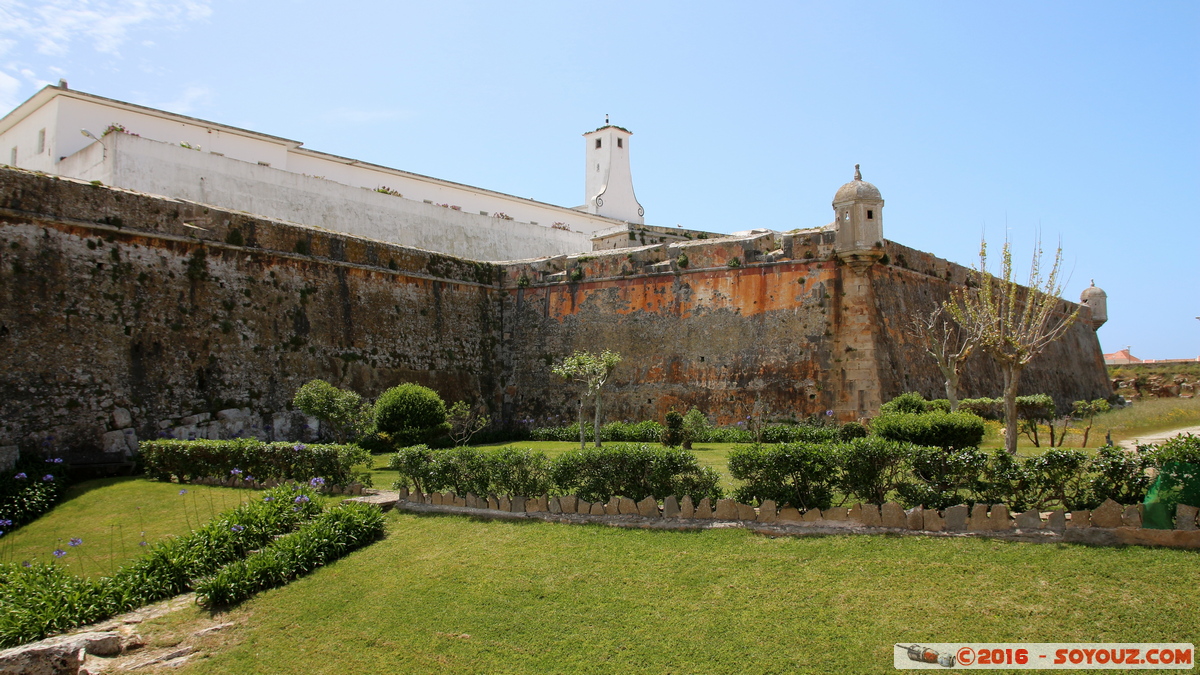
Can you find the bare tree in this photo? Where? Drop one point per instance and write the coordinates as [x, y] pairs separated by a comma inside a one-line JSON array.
[[1015, 323], [947, 342]]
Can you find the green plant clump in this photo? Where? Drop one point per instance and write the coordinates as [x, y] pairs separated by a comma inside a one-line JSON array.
[[331, 535], [951, 431], [410, 414], [341, 411], [32, 487]]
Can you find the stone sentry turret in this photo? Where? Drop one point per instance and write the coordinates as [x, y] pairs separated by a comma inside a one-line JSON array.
[[1095, 300], [858, 210]]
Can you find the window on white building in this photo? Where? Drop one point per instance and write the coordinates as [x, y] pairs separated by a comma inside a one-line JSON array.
[[597, 143], [41, 144]]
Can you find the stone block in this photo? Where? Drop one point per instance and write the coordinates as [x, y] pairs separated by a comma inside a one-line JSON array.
[[598, 509], [1080, 519], [1187, 539], [746, 512], [933, 521], [460, 502], [1131, 516], [648, 508], [555, 505], [122, 419], [613, 507], [704, 508], [493, 503], [229, 415], [9, 454], [1056, 520], [855, 513], [892, 515], [726, 510], [569, 503], [956, 518], [472, 501], [999, 517], [281, 426], [518, 505], [789, 514], [627, 507], [429, 499], [356, 488], [978, 522], [871, 516], [505, 503], [670, 507], [437, 498], [767, 512], [1107, 514], [812, 516], [686, 508], [336, 489], [131, 442], [113, 441], [915, 518], [1030, 520], [583, 507], [1186, 516], [835, 513], [531, 506]]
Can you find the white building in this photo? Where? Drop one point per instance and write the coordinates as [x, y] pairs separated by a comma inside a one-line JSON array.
[[72, 133]]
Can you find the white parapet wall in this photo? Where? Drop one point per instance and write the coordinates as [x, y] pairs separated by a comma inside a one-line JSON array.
[[168, 169]]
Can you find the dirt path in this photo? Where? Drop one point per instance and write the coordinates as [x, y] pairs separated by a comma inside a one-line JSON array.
[[1158, 437]]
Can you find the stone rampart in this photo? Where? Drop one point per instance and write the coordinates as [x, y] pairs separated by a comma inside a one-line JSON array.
[[124, 312]]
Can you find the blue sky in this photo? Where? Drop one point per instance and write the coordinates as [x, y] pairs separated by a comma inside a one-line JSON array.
[[1073, 120]]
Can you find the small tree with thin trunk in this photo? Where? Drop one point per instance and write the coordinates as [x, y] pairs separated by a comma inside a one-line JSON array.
[[947, 342], [1087, 410], [1015, 323], [592, 370]]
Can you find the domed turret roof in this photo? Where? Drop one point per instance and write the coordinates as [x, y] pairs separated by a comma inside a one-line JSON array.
[[856, 189], [1091, 292]]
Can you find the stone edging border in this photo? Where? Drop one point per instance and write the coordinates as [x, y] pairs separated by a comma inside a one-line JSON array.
[[1109, 525]]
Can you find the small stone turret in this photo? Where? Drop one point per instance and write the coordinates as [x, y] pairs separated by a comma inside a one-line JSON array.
[[1097, 301], [858, 210]]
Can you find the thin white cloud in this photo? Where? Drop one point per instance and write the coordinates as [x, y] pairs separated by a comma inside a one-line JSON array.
[[187, 101], [54, 26], [10, 87]]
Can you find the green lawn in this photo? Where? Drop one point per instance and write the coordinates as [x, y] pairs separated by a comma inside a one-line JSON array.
[[111, 516], [452, 594]]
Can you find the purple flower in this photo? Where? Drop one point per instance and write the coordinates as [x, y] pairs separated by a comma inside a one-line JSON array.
[[301, 499], [142, 543], [47, 478], [249, 479], [75, 541], [299, 446], [238, 528], [56, 460], [26, 563], [317, 482], [268, 498], [829, 413], [5, 523], [183, 492], [20, 476], [1, 533], [58, 553], [235, 472]]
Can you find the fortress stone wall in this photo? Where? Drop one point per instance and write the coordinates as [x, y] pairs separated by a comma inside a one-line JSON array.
[[116, 301]]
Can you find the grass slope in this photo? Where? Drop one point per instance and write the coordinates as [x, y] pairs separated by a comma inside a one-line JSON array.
[[110, 515], [451, 594]]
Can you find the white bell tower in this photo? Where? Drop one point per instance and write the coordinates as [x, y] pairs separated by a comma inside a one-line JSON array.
[[609, 183]]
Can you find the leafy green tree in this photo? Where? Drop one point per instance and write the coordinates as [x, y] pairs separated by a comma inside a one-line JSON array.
[[695, 427], [341, 411], [592, 370], [1014, 323], [410, 413]]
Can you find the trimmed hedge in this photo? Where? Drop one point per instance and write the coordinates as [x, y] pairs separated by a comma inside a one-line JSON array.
[[652, 432], [189, 460], [951, 431], [43, 599], [595, 474], [331, 535]]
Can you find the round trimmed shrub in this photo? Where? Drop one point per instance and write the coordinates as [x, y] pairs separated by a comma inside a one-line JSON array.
[[951, 431], [410, 410]]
